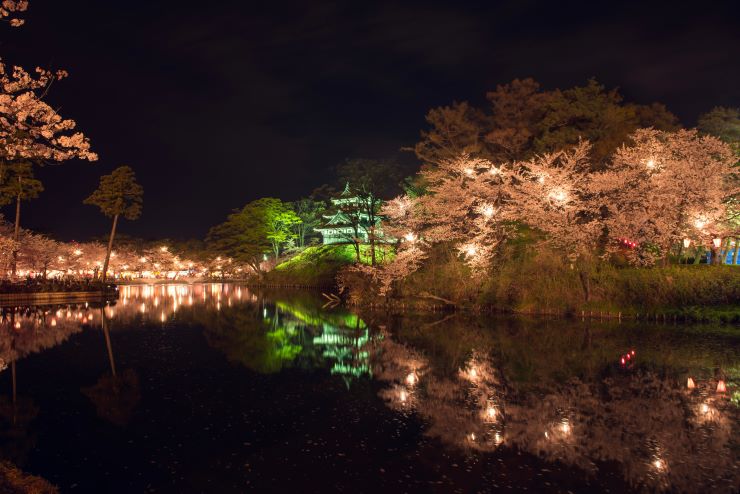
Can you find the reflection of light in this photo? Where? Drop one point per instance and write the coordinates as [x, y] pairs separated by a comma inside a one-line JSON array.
[[18, 325], [53, 322], [411, 379], [402, 396], [565, 427], [473, 372], [659, 464], [491, 412], [472, 436], [78, 252], [497, 438], [690, 384], [162, 317], [143, 308]]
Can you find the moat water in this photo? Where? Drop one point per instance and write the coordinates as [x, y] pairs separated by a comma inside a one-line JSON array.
[[223, 388]]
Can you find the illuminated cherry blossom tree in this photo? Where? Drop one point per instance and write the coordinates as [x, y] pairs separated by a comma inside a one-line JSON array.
[[667, 186]]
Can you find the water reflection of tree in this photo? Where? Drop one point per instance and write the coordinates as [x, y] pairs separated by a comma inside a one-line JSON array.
[[567, 401], [289, 333], [248, 339], [23, 332], [115, 395]]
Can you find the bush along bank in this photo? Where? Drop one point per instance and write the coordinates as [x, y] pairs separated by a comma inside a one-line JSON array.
[[543, 284]]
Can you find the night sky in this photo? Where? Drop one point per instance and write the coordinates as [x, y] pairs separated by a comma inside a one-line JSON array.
[[215, 104]]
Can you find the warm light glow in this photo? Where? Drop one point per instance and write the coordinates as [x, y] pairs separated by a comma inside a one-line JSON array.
[[690, 383], [469, 171], [650, 164], [721, 388], [495, 171], [704, 408], [78, 252], [473, 373], [402, 396], [409, 237], [490, 412], [142, 259], [686, 243], [659, 464], [487, 210], [471, 250], [717, 242], [53, 322], [558, 195], [18, 325], [472, 436], [163, 248], [565, 427], [411, 379], [700, 223]]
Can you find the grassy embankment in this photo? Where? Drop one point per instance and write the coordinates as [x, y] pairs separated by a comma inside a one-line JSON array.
[[543, 284], [318, 266], [537, 283]]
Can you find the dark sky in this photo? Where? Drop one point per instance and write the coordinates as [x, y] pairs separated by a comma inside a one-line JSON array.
[[217, 103]]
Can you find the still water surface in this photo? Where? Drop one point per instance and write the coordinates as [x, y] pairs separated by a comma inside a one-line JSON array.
[[221, 388]]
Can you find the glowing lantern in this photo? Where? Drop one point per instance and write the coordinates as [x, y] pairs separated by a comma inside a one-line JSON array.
[[558, 195], [471, 250], [686, 243], [18, 325], [402, 396], [411, 379], [721, 388], [53, 322], [623, 361], [717, 242], [690, 383]]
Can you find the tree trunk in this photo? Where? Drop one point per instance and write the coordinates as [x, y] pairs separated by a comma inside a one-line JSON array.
[[17, 233], [372, 246], [108, 343], [586, 284], [357, 249], [110, 248], [716, 256]]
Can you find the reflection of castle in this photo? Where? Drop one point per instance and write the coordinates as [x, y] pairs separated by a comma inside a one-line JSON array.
[[340, 339], [347, 349]]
